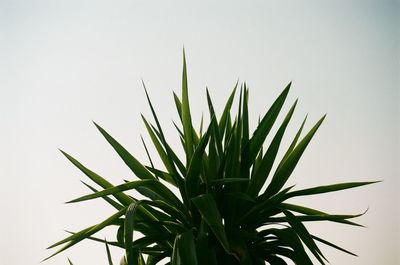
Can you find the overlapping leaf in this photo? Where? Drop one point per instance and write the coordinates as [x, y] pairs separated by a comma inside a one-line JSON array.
[[228, 210]]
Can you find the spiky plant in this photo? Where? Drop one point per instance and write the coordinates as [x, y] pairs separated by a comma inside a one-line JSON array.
[[222, 215]]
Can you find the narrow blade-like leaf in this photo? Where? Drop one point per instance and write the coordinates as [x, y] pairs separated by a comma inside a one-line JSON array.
[[186, 117], [192, 177], [86, 233], [251, 149], [304, 235], [282, 173], [161, 152], [187, 248], [328, 188], [294, 142], [211, 215], [109, 258], [140, 171], [333, 245], [115, 204], [154, 185], [122, 198], [131, 254], [265, 167], [223, 121]]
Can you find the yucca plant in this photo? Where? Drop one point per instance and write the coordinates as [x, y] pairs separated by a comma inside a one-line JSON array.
[[231, 207]]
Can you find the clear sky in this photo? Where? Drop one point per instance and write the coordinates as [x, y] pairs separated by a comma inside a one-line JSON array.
[[66, 63]]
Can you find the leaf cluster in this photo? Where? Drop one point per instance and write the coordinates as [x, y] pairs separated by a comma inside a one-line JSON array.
[[232, 208]]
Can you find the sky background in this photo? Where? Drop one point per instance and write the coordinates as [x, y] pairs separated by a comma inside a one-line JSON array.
[[66, 63]]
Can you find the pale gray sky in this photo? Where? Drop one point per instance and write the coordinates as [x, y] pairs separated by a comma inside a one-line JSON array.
[[66, 63]]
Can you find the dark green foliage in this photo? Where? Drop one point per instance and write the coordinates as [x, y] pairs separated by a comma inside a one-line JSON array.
[[220, 216]]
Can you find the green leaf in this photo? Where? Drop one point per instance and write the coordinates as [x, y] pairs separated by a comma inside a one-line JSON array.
[[216, 135], [111, 243], [186, 117], [225, 117], [147, 153], [115, 204], [141, 259], [210, 104], [178, 105], [175, 257], [187, 248], [67, 239], [294, 142], [213, 161], [282, 173], [109, 258], [321, 217], [173, 156], [85, 233], [137, 168], [228, 131], [234, 150], [201, 125], [245, 116], [154, 259], [154, 185], [70, 262], [265, 166], [313, 212], [162, 174], [215, 145], [179, 214], [149, 193], [228, 181], [151, 162], [231, 158], [192, 177], [327, 188], [250, 151], [289, 237], [304, 235], [152, 238], [161, 152], [122, 198], [333, 245], [263, 205], [129, 226], [163, 140], [210, 213], [258, 160], [178, 130]]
